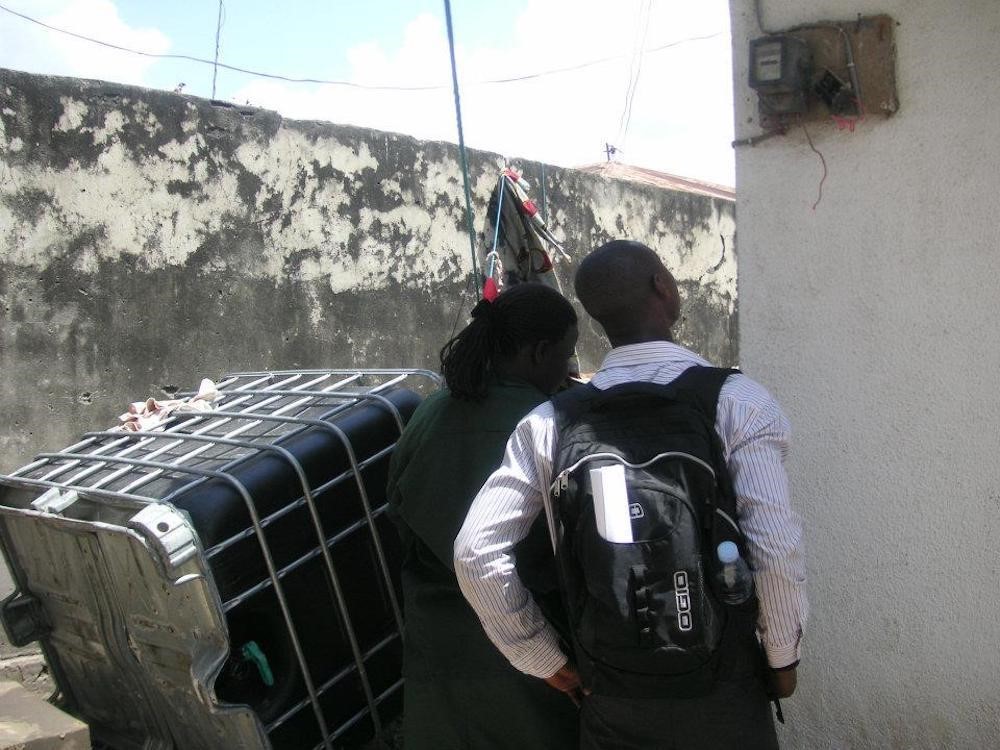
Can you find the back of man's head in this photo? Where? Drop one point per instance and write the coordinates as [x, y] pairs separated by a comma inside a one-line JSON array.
[[626, 288]]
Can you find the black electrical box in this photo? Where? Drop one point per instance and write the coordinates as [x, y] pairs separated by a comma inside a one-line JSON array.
[[780, 70]]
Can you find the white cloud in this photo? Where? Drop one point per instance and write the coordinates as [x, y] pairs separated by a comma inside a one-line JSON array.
[[681, 116], [26, 46]]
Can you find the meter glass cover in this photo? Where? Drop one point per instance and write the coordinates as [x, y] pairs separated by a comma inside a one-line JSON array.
[[767, 66]]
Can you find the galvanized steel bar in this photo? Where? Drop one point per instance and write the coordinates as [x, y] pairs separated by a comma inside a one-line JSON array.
[[365, 502], [281, 513], [394, 687], [98, 466], [298, 562], [345, 672]]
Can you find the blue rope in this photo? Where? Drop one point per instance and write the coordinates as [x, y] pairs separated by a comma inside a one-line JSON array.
[[461, 147], [544, 214], [496, 229]]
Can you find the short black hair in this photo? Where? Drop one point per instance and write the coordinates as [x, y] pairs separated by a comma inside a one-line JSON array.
[[613, 281]]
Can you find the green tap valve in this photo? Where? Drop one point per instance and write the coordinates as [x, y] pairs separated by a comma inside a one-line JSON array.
[[251, 652]]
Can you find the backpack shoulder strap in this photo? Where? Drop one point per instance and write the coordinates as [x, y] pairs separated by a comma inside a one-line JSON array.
[[571, 403], [701, 386], [568, 406], [698, 385]]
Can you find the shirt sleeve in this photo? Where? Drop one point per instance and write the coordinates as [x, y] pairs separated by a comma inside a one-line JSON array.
[[755, 434], [500, 516]]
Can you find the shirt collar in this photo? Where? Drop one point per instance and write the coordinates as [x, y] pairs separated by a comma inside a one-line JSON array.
[[649, 352]]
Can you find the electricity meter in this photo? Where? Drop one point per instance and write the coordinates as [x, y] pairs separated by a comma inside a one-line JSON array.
[[780, 68]]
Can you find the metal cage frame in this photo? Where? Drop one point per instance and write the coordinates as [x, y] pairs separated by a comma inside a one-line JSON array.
[[259, 411]]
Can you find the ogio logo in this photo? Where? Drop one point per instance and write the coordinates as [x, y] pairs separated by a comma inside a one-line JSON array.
[[683, 596], [635, 511]]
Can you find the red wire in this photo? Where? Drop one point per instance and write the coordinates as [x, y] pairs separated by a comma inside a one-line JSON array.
[[823, 160]]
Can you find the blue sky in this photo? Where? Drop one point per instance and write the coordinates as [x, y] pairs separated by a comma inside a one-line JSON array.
[[681, 111]]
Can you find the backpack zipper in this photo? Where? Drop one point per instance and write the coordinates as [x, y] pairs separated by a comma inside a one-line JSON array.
[[562, 479]]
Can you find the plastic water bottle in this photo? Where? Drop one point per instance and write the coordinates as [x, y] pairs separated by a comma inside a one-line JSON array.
[[734, 576]]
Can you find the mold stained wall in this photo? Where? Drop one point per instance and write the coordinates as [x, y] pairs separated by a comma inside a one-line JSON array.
[[148, 239], [873, 320]]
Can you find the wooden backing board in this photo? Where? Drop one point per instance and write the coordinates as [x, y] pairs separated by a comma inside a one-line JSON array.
[[873, 43]]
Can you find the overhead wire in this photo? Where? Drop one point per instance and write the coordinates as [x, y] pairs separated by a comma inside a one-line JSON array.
[[631, 70], [348, 84], [626, 118], [224, 66], [218, 36], [592, 63]]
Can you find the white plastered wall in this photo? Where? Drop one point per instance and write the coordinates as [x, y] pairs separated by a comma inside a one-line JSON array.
[[874, 320]]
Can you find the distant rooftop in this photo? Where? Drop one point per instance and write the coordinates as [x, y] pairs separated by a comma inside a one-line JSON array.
[[659, 179]]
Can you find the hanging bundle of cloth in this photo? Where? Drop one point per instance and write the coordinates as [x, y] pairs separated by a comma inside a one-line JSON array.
[[523, 248]]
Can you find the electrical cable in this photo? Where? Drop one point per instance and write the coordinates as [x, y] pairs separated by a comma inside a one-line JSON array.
[[760, 21], [348, 84], [822, 160], [458, 315], [592, 63], [631, 69], [638, 71], [218, 35], [461, 146], [224, 66]]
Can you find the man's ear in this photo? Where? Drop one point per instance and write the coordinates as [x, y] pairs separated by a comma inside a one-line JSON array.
[[666, 289], [539, 352], [662, 286]]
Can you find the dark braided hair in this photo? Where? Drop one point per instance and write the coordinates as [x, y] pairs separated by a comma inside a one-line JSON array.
[[520, 316]]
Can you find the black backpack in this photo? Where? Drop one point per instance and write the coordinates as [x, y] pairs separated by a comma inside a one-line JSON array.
[[644, 619]]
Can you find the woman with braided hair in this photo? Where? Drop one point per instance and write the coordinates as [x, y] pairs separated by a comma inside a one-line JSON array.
[[460, 693]]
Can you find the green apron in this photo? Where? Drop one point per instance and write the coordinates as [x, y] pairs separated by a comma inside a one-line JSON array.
[[460, 692]]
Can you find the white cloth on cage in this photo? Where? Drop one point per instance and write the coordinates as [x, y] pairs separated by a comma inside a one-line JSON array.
[[144, 415]]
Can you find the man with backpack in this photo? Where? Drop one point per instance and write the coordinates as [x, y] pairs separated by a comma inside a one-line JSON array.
[[659, 482]]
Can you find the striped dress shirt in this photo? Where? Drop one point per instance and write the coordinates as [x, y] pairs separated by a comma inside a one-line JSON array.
[[755, 436]]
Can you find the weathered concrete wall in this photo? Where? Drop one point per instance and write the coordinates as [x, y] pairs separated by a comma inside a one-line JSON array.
[[873, 319], [148, 239]]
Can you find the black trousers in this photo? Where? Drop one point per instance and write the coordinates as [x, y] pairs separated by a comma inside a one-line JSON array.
[[735, 716], [499, 711]]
